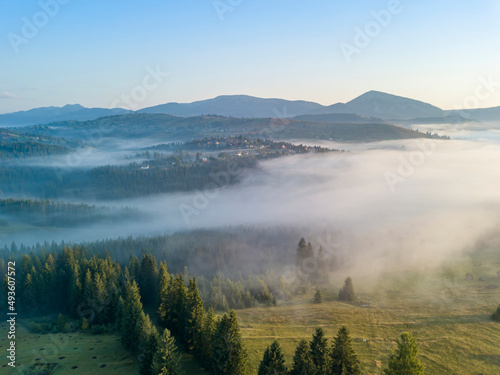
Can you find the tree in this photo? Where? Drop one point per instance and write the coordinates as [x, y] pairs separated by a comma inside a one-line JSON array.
[[148, 279], [346, 293], [209, 326], [317, 297], [273, 362], [167, 360], [195, 316], [85, 325], [131, 313], [496, 315], [342, 357], [404, 360], [148, 352], [302, 364], [318, 349], [228, 353], [164, 286]]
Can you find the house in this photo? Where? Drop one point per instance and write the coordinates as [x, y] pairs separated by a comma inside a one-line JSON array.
[[145, 167]]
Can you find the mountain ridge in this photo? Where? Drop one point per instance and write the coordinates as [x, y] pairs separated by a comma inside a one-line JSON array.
[[372, 104]]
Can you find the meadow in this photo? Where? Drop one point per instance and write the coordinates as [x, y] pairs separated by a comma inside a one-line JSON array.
[[449, 316]]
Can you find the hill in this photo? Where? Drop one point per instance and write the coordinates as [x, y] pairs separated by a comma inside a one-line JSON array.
[[237, 106], [51, 114], [386, 106], [164, 128]]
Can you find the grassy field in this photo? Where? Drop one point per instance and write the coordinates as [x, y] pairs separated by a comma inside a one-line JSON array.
[[449, 316], [452, 324], [76, 353]]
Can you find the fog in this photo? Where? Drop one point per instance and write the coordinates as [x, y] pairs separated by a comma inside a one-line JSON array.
[[412, 203]]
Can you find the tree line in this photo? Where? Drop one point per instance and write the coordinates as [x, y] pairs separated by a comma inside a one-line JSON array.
[[318, 358]]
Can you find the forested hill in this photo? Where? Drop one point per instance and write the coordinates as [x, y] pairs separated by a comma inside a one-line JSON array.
[[16, 144], [60, 214], [167, 127], [30, 149]]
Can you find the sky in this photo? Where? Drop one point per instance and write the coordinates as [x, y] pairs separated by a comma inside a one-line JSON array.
[[95, 53]]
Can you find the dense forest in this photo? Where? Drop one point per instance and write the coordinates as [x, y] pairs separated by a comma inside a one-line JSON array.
[[60, 214], [96, 294], [30, 149], [168, 173]]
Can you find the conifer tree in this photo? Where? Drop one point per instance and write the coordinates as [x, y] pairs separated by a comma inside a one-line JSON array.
[[302, 364], [148, 349], [164, 286], [167, 360], [346, 293], [343, 360], [131, 313], [317, 297], [273, 362], [209, 326], [148, 279], [228, 353], [318, 349], [404, 360], [496, 315], [195, 317]]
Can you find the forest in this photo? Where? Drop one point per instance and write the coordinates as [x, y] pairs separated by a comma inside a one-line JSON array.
[[91, 292]]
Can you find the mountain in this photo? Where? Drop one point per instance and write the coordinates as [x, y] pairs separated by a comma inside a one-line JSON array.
[[46, 115], [386, 106], [370, 107], [480, 114], [237, 106]]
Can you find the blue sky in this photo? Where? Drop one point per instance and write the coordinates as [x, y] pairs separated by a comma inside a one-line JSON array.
[[94, 52]]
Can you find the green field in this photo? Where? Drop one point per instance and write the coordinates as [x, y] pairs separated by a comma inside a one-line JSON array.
[[449, 316], [78, 349], [452, 324]]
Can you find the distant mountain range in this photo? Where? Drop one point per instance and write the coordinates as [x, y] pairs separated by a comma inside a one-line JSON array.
[[371, 107], [46, 115]]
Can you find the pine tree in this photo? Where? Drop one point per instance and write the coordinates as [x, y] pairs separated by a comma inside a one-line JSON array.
[[228, 353], [318, 348], [343, 360], [164, 286], [209, 326], [195, 317], [346, 293], [84, 325], [131, 313], [148, 279], [496, 315], [404, 360], [167, 360], [301, 252], [273, 362], [317, 297], [148, 351], [302, 364], [177, 314]]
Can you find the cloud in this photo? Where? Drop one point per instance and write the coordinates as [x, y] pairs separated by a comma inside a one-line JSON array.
[[7, 95]]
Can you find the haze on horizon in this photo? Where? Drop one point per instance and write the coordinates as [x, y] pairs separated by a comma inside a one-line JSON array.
[[92, 53]]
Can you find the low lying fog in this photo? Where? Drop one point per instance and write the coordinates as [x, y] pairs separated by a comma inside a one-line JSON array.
[[413, 201]]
